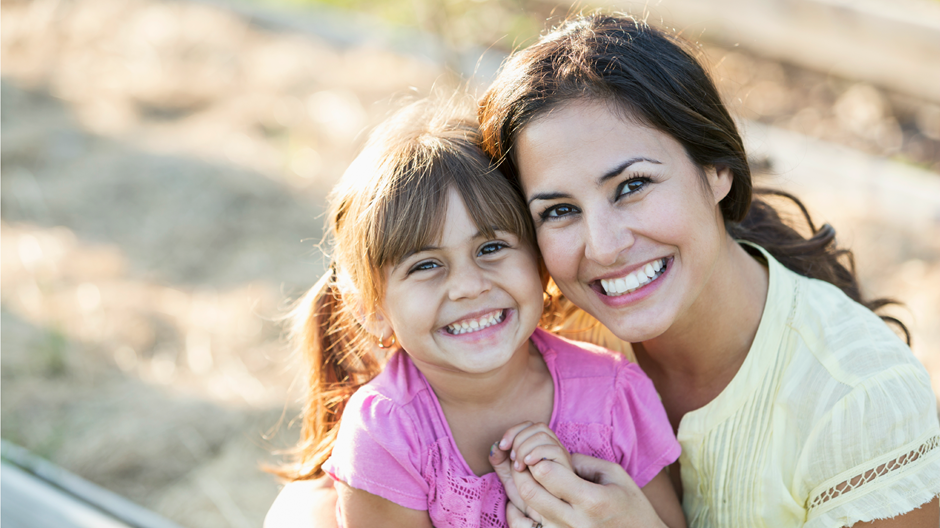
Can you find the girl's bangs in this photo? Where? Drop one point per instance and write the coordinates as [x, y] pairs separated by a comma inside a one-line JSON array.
[[415, 212]]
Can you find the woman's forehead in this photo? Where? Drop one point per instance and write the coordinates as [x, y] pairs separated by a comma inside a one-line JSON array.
[[587, 140]]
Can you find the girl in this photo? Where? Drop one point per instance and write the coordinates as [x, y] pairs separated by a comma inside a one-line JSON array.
[[434, 261]]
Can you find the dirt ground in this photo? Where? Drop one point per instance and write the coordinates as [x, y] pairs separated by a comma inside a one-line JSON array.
[[164, 172]]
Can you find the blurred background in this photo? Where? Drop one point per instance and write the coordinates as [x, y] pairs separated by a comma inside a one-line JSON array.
[[165, 165]]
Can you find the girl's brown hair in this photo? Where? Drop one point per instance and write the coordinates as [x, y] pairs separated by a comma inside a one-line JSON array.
[[655, 78], [390, 201]]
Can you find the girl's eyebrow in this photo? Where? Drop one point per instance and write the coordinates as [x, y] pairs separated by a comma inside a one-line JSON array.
[[478, 234], [600, 181]]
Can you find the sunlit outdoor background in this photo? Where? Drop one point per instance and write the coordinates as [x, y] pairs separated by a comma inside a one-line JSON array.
[[165, 166]]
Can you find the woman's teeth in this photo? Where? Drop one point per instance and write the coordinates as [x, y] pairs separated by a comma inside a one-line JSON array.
[[640, 277], [473, 325]]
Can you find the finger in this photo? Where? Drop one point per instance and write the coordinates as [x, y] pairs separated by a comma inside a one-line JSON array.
[[498, 456], [505, 443], [516, 519], [554, 453], [528, 439], [538, 499], [586, 486], [602, 472], [499, 459]]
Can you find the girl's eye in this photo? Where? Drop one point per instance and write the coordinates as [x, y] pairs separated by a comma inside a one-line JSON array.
[[423, 266], [633, 185], [492, 247], [558, 211]]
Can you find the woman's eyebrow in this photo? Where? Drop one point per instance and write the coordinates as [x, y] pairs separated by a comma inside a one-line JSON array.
[[600, 181], [547, 196], [622, 167]]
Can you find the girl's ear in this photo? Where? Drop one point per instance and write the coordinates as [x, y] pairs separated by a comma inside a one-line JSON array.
[[375, 323], [719, 180]]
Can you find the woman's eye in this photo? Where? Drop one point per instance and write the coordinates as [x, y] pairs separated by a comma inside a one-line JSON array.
[[557, 211], [492, 247], [633, 186]]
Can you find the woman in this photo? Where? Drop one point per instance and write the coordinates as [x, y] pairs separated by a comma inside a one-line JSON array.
[[794, 404]]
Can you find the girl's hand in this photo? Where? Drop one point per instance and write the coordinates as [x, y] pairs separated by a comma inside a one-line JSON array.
[[522, 445], [597, 494], [530, 443]]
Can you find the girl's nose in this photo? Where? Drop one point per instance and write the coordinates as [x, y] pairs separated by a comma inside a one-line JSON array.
[[468, 282], [605, 240]]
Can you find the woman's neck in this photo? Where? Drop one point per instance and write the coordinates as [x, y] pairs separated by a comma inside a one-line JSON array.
[[698, 356]]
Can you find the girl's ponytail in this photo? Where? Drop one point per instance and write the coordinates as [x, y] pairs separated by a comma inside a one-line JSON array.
[[337, 357]]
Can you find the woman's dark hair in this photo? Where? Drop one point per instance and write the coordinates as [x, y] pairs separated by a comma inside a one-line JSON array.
[[655, 79]]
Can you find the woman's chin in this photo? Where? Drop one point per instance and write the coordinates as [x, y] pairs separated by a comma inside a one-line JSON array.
[[634, 328]]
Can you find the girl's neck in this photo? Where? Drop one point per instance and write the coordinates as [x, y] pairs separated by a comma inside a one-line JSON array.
[[479, 409], [456, 389], [703, 350]]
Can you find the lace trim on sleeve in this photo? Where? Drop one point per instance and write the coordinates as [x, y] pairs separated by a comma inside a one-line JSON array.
[[873, 475]]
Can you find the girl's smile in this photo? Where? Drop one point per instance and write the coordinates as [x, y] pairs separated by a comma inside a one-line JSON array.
[[476, 324]]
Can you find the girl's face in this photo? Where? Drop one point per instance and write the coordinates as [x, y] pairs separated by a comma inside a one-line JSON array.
[[466, 304], [627, 226]]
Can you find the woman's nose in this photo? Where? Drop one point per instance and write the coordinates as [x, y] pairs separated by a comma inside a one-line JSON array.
[[605, 240], [468, 282]]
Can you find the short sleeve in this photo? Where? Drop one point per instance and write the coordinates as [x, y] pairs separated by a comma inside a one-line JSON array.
[[876, 455], [642, 436], [378, 450]]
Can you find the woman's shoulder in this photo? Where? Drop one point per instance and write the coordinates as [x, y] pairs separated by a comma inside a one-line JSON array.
[[847, 340]]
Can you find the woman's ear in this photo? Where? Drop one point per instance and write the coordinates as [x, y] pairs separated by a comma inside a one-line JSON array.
[[719, 179]]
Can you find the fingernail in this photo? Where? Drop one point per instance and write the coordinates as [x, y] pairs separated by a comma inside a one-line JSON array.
[[493, 448], [512, 455]]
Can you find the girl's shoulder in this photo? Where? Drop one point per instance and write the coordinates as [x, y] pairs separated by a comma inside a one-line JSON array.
[[400, 382], [578, 358], [587, 372]]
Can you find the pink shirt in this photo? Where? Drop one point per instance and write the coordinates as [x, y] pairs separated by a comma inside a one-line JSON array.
[[394, 441]]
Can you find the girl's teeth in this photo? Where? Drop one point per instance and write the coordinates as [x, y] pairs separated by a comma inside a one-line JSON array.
[[474, 325], [640, 277]]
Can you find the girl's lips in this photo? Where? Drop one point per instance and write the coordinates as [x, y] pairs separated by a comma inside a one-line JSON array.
[[637, 294]]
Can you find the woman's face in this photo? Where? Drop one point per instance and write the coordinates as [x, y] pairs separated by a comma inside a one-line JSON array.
[[628, 227]]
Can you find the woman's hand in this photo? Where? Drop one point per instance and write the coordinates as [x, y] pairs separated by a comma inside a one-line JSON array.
[[597, 494]]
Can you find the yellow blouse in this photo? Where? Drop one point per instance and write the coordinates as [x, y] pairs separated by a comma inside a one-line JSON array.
[[830, 421]]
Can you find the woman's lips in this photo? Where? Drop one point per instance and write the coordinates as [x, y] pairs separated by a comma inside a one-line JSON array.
[[623, 293], [635, 280]]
